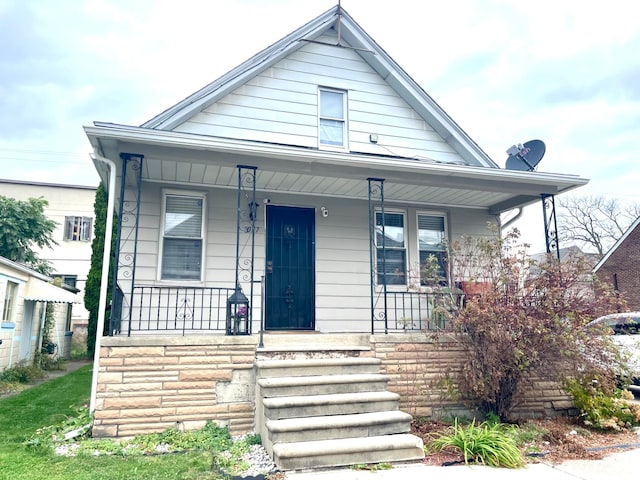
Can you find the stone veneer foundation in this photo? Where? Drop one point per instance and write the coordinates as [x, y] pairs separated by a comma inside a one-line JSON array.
[[151, 383]]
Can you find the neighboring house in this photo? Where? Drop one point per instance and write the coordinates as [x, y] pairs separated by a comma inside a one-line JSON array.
[[71, 207], [620, 266], [272, 227], [24, 294]]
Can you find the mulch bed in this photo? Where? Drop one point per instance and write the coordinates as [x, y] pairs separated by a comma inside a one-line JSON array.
[[563, 439]]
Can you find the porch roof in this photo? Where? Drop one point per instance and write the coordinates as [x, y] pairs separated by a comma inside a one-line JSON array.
[[200, 161], [40, 291]]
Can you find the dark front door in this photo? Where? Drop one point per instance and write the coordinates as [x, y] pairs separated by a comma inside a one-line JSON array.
[[290, 268]]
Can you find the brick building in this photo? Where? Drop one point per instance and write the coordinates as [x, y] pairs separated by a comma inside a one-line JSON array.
[[621, 266]]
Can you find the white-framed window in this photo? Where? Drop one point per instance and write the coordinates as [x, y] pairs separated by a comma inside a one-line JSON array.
[[391, 248], [432, 235], [78, 229], [69, 280], [182, 236], [9, 301], [332, 118]]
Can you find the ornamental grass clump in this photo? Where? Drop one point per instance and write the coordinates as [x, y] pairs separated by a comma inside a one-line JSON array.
[[483, 443]]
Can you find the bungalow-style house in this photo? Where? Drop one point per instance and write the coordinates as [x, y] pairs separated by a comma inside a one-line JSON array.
[[621, 264], [271, 228], [24, 295]]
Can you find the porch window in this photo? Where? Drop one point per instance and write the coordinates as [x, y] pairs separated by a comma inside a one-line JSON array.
[[182, 239], [392, 258], [9, 301], [431, 244], [332, 118], [78, 229]]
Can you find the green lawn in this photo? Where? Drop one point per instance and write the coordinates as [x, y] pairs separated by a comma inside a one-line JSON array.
[[47, 404]]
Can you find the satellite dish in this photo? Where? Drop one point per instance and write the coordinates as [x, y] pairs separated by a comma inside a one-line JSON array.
[[525, 157]]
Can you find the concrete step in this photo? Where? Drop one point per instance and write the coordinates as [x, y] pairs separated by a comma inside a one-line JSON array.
[[277, 408], [322, 384], [288, 342], [353, 426], [318, 366], [349, 451]]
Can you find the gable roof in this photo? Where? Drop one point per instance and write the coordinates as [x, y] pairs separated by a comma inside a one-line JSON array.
[[624, 236], [350, 35]]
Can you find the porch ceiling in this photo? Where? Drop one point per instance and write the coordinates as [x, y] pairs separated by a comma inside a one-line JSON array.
[[198, 161]]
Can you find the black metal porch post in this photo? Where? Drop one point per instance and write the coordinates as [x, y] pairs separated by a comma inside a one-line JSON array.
[[245, 224], [376, 190], [550, 224], [128, 262]]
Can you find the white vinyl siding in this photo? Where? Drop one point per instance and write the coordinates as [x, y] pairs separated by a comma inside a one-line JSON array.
[[332, 118], [342, 249], [280, 105], [182, 239], [431, 243]]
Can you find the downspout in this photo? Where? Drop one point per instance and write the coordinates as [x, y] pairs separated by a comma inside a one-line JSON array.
[[104, 282], [511, 220]]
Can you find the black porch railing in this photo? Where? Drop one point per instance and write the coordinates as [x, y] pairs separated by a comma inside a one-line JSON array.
[[170, 308], [183, 310], [419, 311]]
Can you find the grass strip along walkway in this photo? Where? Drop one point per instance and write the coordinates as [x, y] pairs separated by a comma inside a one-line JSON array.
[[50, 403]]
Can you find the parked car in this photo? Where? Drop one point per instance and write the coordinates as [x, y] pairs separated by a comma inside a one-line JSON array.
[[626, 330]]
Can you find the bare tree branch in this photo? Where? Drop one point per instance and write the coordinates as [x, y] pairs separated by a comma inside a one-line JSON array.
[[594, 222]]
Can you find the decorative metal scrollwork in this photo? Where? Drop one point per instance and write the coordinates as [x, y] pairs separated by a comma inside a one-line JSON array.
[[289, 297], [550, 224], [127, 237], [185, 310], [376, 203], [247, 216]]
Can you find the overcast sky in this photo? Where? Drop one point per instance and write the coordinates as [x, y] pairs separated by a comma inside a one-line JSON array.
[[563, 71]]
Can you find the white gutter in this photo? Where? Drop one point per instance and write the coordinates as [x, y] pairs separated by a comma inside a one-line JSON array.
[[104, 282]]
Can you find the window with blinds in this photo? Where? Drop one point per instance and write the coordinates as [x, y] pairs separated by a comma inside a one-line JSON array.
[[391, 251], [182, 239], [432, 249]]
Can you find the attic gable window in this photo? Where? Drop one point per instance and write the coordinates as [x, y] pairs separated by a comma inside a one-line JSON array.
[[332, 118]]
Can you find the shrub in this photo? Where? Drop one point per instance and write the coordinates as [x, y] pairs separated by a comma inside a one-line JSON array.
[[488, 444], [527, 320], [22, 373], [600, 407]]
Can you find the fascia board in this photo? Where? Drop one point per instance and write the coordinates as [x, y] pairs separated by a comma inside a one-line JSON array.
[[21, 268], [548, 182]]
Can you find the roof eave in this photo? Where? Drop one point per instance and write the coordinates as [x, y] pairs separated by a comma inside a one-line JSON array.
[[548, 183]]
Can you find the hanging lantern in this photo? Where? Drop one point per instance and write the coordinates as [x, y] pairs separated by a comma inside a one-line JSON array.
[[238, 313]]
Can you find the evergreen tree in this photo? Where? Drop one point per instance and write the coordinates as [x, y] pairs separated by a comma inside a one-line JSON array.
[[92, 287]]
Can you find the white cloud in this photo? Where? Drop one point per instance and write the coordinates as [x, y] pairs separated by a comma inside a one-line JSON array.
[[562, 71]]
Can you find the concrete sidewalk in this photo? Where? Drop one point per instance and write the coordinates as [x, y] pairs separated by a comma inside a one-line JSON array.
[[617, 466]]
